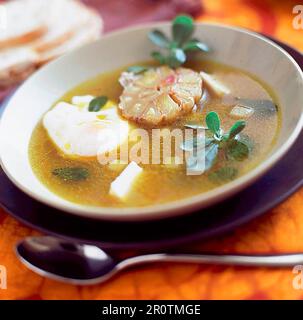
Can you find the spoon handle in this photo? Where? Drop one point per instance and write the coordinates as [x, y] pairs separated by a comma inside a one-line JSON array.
[[287, 260]]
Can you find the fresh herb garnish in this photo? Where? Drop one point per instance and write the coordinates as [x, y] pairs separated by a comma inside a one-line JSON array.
[[71, 173], [237, 150], [180, 45], [224, 174], [137, 69], [216, 142], [97, 103]]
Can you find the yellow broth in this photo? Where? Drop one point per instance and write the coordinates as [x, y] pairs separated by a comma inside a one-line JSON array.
[[158, 183]]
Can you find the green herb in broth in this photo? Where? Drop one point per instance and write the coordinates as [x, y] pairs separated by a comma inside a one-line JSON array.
[[209, 147], [177, 49], [222, 175], [97, 103], [236, 129], [71, 174]]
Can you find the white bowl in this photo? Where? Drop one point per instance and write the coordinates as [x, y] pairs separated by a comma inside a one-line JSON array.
[[233, 46]]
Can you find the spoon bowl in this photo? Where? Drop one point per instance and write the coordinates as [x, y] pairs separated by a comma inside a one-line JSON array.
[[61, 260]]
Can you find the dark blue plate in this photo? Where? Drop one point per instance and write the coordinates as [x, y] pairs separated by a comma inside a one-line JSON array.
[[278, 184]]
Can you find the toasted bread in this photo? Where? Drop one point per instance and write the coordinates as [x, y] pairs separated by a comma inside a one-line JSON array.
[[25, 21]]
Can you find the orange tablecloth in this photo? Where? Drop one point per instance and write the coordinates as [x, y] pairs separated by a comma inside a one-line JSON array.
[[280, 230]]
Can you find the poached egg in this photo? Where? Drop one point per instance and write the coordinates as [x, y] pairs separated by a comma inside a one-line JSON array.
[[78, 132]]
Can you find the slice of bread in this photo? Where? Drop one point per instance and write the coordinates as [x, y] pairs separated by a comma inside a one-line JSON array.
[[69, 24], [88, 32], [16, 64], [66, 17], [25, 21]]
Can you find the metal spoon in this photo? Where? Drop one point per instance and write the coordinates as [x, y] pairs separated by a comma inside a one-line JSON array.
[[83, 264]]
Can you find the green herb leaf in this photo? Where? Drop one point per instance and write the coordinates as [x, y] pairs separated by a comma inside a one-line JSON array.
[[159, 57], [213, 122], [225, 174], [183, 28], [176, 58], [97, 103], [236, 129], [244, 138], [137, 69], [159, 39], [196, 45], [237, 150], [71, 173]]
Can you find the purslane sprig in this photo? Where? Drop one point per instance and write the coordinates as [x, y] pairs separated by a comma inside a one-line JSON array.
[[174, 51], [231, 144]]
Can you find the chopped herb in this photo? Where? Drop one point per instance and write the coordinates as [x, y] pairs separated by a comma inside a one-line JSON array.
[[137, 69], [181, 43], [71, 173], [97, 103], [224, 174]]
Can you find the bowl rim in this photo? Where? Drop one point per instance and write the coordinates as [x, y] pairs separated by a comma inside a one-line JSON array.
[[177, 207]]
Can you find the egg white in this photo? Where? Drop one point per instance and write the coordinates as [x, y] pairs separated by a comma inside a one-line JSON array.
[[78, 132]]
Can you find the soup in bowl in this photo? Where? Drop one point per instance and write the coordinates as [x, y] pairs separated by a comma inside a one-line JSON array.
[[105, 132]]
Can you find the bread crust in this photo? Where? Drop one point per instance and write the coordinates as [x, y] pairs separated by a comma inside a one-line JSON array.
[[24, 39]]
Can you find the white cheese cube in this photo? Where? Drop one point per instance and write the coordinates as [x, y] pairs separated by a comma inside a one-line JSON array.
[[214, 85], [240, 111], [121, 186]]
